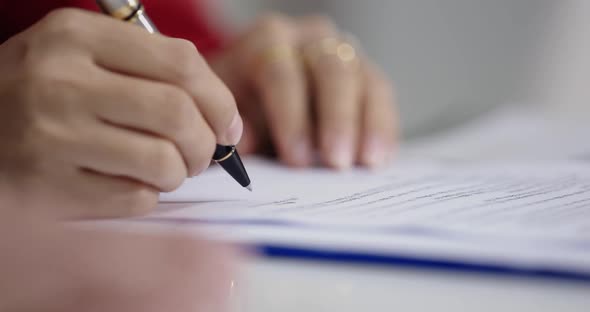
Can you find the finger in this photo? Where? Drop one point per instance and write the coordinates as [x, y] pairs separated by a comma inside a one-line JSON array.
[[73, 193], [280, 80], [113, 197], [128, 49], [85, 194], [380, 126], [256, 138], [159, 109], [178, 62], [120, 152], [337, 89]]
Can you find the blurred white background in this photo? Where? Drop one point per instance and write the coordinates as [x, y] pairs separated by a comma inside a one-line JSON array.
[[456, 59]]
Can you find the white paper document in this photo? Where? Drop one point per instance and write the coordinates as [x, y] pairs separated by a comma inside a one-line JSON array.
[[546, 199], [508, 209], [528, 215]]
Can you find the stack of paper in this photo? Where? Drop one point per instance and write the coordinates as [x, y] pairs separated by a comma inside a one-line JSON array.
[[513, 217]]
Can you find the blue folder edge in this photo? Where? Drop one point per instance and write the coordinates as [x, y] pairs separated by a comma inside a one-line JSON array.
[[410, 262], [384, 259]]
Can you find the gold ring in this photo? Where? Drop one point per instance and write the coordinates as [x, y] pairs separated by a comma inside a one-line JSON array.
[[331, 46]]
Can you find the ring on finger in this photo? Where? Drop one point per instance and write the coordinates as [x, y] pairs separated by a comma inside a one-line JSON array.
[[342, 50]]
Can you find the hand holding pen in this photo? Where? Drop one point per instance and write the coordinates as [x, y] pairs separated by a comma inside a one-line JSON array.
[[304, 87], [101, 116], [132, 11]]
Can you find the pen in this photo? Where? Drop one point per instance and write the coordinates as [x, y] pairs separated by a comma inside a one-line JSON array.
[[132, 11]]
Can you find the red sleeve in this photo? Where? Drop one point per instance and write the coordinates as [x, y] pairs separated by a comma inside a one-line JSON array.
[[176, 18]]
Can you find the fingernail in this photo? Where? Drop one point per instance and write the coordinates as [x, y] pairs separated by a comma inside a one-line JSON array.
[[301, 152], [374, 153], [342, 153], [235, 130]]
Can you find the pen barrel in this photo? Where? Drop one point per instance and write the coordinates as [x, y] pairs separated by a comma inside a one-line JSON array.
[[229, 159], [131, 11]]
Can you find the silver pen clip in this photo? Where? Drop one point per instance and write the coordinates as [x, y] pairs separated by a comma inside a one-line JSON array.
[[131, 11]]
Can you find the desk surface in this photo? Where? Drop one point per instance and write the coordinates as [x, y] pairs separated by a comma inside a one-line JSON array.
[[269, 285]]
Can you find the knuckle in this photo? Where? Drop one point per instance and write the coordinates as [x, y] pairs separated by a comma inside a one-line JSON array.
[[45, 92], [141, 200], [166, 166], [275, 27], [229, 106], [180, 111], [273, 21], [186, 61], [43, 135], [64, 24], [59, 16], [28, 91], [218, 104], [322, 24], [41, 73], [38, 92], [207, 143]]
